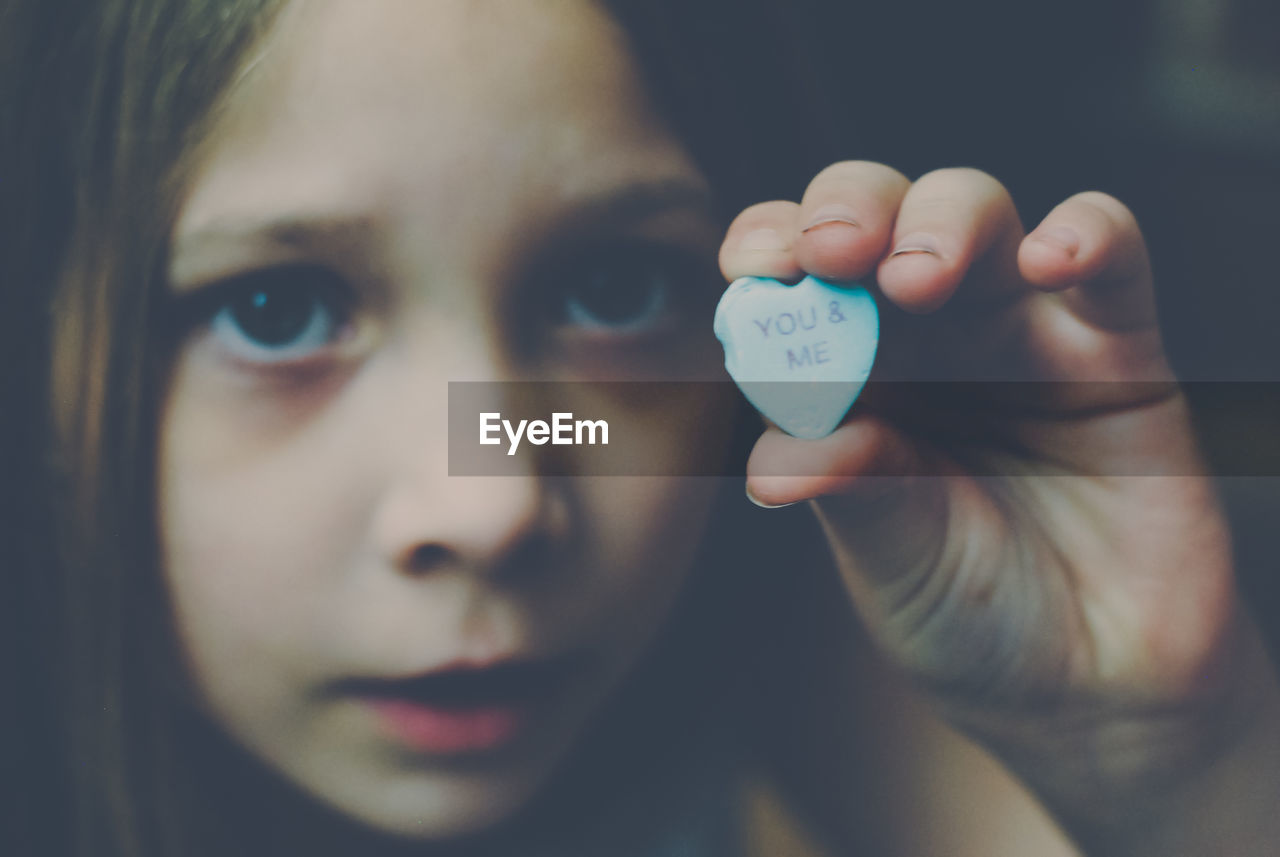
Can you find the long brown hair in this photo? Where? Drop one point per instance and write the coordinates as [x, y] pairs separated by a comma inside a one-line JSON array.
[[105, 98]]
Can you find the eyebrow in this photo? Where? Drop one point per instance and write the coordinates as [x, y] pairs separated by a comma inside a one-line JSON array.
[[287, 230], [304, 231], [642, 200]]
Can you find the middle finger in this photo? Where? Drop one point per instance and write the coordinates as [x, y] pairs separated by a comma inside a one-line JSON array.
[[954, 224]]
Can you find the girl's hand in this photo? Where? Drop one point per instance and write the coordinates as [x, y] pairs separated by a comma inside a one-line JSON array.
[[1050, 560]]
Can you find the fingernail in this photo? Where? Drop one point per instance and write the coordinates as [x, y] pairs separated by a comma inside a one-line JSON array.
[[762, 239], [1062, 237], [834, 213], [752, 498], [916, 242]]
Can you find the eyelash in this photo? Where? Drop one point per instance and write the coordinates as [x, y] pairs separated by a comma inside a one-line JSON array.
[[623, 294], [309, 301], [624, 291]]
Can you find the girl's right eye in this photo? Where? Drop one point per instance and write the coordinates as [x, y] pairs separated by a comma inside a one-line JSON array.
[[275, 316]]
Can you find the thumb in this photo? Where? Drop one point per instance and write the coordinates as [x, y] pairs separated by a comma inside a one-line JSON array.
[[883, 500]]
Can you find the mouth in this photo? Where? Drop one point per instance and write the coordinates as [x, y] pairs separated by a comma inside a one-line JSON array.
[[463, 710]]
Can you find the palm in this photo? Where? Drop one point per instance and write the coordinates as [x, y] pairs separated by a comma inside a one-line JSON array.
[[1056, 541]]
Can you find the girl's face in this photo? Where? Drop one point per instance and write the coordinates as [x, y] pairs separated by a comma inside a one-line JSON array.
[[398, 195]]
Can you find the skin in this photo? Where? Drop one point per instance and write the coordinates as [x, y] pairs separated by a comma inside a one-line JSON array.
[[435, 153], [1083, 623]]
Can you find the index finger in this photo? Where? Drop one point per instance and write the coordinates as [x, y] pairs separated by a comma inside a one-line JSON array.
[[840, 230]]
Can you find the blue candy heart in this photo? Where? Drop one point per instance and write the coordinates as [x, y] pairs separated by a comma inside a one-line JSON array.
[[800, 354]]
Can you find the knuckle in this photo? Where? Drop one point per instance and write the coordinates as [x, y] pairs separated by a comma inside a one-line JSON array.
[[771, 213], [847, 174], [1116, 212], [958, 189], [960, 177]]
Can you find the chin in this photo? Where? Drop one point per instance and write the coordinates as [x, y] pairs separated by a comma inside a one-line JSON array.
[[468, 799], [457, 817]]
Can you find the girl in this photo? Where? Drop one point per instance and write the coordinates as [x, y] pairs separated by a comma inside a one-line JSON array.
[[271, 234]]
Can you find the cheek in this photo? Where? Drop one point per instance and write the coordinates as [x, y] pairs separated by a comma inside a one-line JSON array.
[[647, 530], [253, 533], [233, 561]]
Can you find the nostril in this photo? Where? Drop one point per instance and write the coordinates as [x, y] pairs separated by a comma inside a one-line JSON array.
[[428, 557]]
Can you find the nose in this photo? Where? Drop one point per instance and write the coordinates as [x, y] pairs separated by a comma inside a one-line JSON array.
[[426, 520], [497, 526]]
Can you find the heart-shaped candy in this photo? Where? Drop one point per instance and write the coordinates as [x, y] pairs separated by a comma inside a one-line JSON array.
[[801, 354]]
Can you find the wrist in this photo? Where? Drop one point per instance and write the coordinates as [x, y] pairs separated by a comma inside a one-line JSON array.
[[1178, 780]]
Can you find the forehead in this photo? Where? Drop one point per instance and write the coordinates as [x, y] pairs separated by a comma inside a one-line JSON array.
[[406, 101]]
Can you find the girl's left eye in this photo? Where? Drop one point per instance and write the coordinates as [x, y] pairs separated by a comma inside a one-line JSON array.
[[624, 290]]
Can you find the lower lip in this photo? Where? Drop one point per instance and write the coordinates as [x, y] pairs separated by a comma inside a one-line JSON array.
[[434, 729]]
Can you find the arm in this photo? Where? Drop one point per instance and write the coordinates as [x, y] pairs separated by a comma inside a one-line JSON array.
[[854, 757], [1196, 786], [1048, 561]]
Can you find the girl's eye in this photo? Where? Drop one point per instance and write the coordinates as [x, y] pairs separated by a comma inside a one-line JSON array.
[[278, 315], [625, 290], [631, 303]]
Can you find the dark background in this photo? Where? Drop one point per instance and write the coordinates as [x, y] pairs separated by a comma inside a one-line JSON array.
[[1171, 105]]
